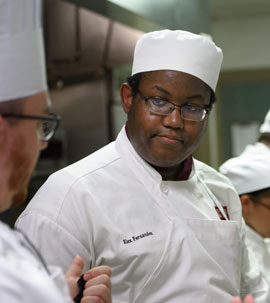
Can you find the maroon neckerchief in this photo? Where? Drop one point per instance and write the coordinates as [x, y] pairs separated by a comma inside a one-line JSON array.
[[185, 172], [186, 169], [187, 164]]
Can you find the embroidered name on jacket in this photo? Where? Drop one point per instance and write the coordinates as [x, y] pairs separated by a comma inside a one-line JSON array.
[[135, 238]]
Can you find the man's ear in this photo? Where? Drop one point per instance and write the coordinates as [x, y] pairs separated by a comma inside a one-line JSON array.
[[126, 97], [247, 204]]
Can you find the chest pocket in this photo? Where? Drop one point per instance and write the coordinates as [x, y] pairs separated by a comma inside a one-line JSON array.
[[221, 240], [200, 264]]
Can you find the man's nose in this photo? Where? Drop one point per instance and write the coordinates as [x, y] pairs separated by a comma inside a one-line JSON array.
[[174, 119]]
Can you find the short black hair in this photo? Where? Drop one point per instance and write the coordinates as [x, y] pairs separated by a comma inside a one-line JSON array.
[[134, 82], [259, 193]]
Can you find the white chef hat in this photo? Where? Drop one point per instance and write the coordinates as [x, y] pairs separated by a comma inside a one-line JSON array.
[[22, 66], [248, 172], [265, 127], [181, 51]]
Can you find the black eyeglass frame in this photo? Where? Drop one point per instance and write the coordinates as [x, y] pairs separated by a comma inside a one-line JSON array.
[[51, 117], [146, 99], [256, 201]]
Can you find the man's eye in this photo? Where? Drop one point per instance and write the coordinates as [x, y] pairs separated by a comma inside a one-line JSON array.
[[192, 109], [158, 102]]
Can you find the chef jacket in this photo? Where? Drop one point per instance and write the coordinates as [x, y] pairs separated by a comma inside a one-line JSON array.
[[164, 240], [260, 250], [24, 277]]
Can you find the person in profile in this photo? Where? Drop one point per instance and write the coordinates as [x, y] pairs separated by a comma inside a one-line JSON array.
[[26, 126], [250, 175]]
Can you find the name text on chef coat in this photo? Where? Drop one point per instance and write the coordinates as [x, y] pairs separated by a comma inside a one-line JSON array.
[[135, 238]]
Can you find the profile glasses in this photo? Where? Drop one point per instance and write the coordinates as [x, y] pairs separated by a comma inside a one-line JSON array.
[[257, 201], [164, 107], [49, 124]]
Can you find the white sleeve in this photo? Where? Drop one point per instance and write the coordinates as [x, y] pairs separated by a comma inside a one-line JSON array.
[[58, 220], [57, 246], [21, 282]]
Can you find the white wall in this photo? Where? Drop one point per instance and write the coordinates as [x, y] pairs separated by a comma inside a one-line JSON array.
[[245, 42]]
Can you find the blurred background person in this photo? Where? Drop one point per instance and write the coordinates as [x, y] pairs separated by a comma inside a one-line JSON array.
[[250, 175]]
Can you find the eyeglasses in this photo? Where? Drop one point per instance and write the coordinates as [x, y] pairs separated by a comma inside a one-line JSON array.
[[260, 203], [49, 124], [164, 107]]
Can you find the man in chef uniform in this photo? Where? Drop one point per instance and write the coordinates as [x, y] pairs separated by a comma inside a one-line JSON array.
[[169, 226], [25, 129], [250, 175]]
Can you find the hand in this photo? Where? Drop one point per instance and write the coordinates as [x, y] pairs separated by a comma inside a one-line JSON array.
[[248, 299], [97, 286], [73, 274]]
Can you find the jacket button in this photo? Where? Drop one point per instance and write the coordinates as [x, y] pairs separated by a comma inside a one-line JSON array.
[[164, 189], [198, 194]]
